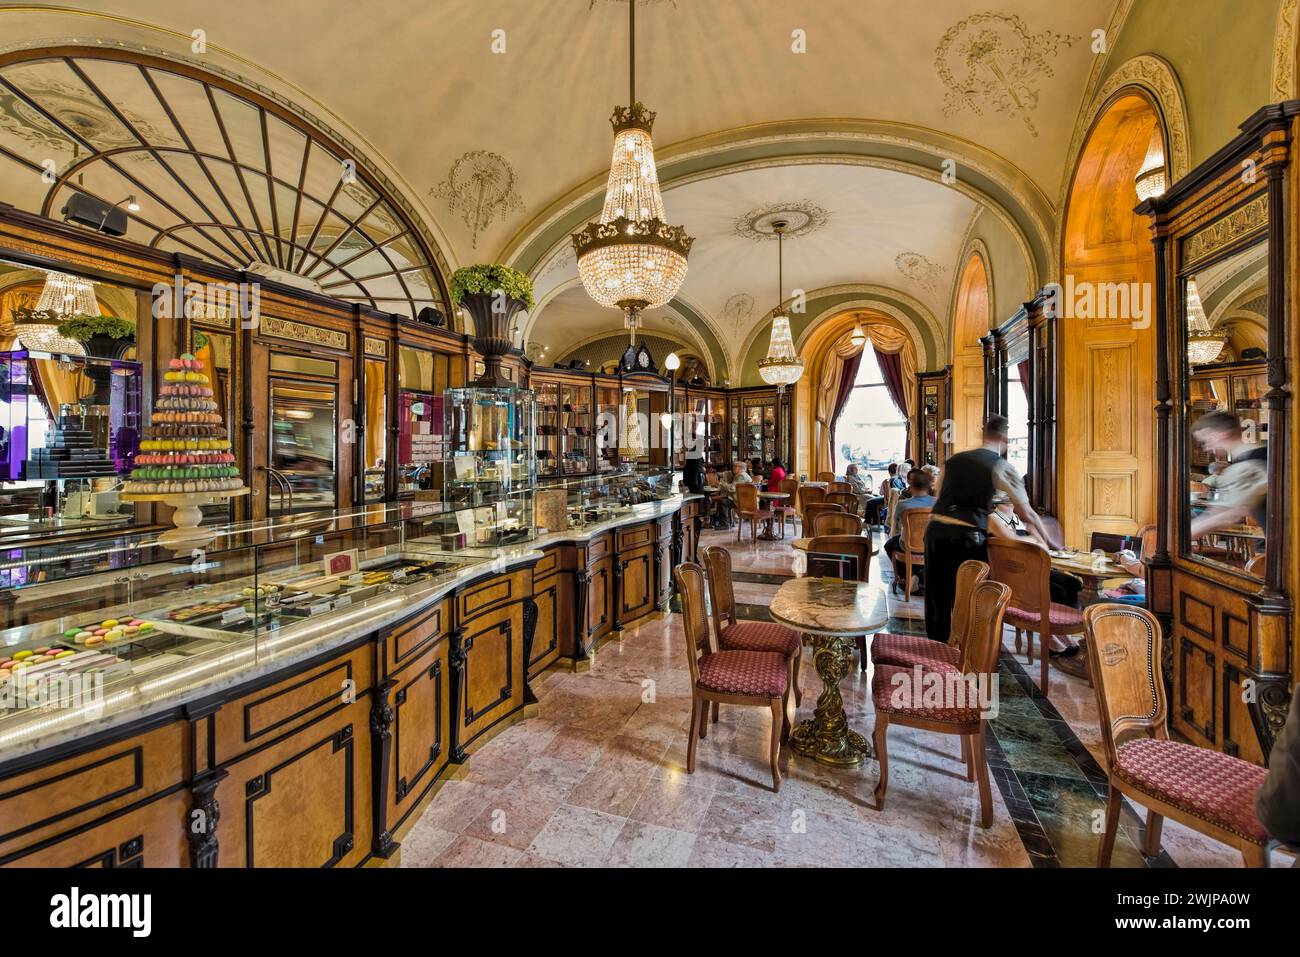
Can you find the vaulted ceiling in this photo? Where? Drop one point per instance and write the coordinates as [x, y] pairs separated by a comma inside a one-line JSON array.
[[480, 130]]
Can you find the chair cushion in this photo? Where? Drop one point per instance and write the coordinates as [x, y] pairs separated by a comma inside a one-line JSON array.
[[907, 650], [1062, 618], [1209, 785], [909, 699], [760, 636], [744, 672]]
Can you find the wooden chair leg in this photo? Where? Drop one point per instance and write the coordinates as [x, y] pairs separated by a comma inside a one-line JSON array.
[[862, 652], [1044, 661], [694, 736], [1113, 802], [1151, 842], [881, 737], [778, 722], [907, 578], [1255, 855], [966, 759], [740, 526], [981, 769], [1018, 641], [716, 708], [1029, 647], [704, 717], [797, 664]]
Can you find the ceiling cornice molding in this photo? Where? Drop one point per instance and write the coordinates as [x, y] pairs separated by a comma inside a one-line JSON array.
[[792, 142]]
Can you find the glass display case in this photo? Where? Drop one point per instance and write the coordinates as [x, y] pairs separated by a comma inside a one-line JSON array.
[[548, 428], [760, 430], [601, 498], [608, 405], [421, 443], [576, 440], [123, 623], [491, 468]]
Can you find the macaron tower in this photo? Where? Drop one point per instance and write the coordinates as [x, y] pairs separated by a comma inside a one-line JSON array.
[[187, 448]]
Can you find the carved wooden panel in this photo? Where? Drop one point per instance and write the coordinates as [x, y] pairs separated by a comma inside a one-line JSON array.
[[421, 727], [1196, 688], [637, 584], [546, 638], [492, 592], [1110, 421], [61, 797], [629, 538], [148, 836], [1239, 738], [413, 637], [600, 599], [1112, 496], [492, 685]]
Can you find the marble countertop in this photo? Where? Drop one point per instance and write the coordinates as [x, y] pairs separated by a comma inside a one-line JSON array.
[[242, 661], [830, 606]]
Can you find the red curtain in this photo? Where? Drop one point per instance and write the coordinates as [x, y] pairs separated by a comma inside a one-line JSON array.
[[847, 378], [891, 370], [1023, 371]]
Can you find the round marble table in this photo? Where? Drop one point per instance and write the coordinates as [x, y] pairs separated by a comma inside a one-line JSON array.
[[835, 613], [775, 498]]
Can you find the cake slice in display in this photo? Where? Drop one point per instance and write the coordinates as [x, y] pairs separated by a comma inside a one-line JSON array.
[[186, 449]]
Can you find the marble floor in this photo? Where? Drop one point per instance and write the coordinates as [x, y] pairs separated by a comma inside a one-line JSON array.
[[599, 777]]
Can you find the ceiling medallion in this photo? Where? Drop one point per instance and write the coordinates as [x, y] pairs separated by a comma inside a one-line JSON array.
[[800, 218], [479, 185], [991, 61], [920, 270]]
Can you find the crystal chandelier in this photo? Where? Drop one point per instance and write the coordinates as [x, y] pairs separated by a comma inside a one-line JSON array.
[[781, 366], [1204, 344], [63, 295], [631, 258], [1150, 179]]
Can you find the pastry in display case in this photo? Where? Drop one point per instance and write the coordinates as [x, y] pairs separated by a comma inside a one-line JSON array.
[[491, 469], [602, 498], [86, 641]]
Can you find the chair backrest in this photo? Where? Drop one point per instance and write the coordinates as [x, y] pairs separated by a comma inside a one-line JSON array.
[[970, 575], [826, 476], [747, 497], [846, 500], [722, 597], [1027, 568], [836, 523], [810, 495], [690, 587], [1124, 662], [791, 487], [832, 487], [1147, 535], [1258, 566], [984, 630], [915, 522], [846, 545], [813, 509], [891, 499]]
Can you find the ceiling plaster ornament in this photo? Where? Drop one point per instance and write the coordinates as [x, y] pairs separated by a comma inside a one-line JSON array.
[[738, 310], [562, 259], [992, 61], [1284, 85], [479, 185], [921, 270], [801, 218]]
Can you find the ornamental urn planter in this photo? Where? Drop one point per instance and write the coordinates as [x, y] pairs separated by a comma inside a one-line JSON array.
[[492, 314]]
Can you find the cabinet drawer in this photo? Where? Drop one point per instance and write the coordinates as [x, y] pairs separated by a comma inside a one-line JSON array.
[[261, 716], [69, 794], [410, 639], [598, 547], [494, 592], [150, 836], [634, 537], [550, 563]]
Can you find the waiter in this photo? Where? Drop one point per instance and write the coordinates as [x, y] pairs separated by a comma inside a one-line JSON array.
[[958, 526]]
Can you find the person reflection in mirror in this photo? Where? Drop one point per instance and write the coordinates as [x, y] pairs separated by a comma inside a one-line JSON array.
[[1241, 485]]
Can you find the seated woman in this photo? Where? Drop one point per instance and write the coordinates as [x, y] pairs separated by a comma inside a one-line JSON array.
[[920, 484], [1065, 589]]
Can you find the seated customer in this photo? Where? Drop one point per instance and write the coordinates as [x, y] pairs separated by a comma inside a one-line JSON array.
[[872, 507], [726, 497], [853, 475], [922, 496]]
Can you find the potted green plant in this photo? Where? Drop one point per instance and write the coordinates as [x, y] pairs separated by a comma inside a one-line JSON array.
[[104, 336], [493, 295]]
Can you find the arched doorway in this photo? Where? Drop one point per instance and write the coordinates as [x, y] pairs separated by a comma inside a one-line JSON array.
[[971, 321], [1106, 330]]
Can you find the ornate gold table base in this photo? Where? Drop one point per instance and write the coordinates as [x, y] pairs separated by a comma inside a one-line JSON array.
[[827, 737]]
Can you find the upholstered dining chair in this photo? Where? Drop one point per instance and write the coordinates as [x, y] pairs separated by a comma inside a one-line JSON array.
[[747, 508], [1027, 568], [846, 500], [900, 698], [1208, 791], [906, 651], [735, 635], [912, 535], [812, 510], [836, 523], [1147, 535], [809, 495], [787, 508], [754, 678], [827, 477], [833, 487]]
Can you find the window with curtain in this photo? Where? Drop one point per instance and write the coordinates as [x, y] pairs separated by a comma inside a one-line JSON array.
[[871, 430], [1018, 417]]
